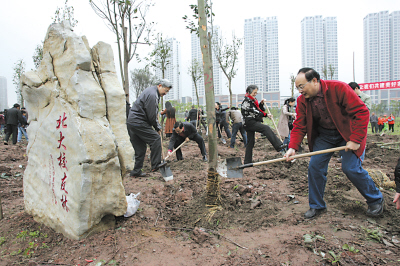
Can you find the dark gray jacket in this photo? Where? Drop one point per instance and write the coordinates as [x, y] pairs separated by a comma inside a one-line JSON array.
[[189, 131], [13, 116], [373, 119], [145, 109]]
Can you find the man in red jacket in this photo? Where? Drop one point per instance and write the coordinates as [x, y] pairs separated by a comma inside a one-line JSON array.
[[332, 115]]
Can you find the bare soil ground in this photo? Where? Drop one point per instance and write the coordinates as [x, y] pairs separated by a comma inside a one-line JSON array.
[[260, 221]]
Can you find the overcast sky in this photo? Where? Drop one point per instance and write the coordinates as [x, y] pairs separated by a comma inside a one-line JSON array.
[[24, 24]]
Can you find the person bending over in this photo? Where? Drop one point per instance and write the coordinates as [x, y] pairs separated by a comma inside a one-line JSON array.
[[185, 131]]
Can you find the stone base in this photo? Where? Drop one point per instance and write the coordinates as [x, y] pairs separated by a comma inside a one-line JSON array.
[[106, 223]]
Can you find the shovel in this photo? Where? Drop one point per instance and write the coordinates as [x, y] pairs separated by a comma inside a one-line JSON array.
[[233, 167], [166, 170]]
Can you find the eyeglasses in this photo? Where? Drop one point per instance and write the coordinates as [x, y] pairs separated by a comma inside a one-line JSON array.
[[301, 87]]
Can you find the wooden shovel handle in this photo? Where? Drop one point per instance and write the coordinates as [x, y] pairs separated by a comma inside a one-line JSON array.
[[175, 149], [293, 157]]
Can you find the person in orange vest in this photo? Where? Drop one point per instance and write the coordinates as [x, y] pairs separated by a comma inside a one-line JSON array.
[[380, 123], [391, 122]]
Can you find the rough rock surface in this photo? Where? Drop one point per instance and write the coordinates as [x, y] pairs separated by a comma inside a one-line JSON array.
[[79, 147]]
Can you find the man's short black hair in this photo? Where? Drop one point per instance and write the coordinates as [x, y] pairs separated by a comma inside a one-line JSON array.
[[178, 124], [16, 105], [354, 85], [310, 73]]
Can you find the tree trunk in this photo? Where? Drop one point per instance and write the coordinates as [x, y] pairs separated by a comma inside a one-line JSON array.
[[213, 196], [126, 62], [230, 91]]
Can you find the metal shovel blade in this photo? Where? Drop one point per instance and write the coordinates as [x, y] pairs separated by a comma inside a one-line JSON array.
[[232, 167], [166, 173], [229, 168]]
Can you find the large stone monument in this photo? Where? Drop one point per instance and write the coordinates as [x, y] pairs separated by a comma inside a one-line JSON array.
[[79, 148]]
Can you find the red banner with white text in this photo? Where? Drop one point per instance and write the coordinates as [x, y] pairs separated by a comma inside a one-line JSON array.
[[384, 85]]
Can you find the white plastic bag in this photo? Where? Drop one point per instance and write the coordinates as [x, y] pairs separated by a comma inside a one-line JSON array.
[[133, 204]]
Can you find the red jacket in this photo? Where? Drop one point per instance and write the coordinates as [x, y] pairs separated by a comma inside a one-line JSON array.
[[349, 114], [392, 118]]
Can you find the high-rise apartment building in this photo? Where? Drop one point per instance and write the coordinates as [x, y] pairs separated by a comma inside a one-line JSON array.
[[217, 72], [261, 53], [319, 46], [173, 71], [382, 52], [395, 44], [3, 94]]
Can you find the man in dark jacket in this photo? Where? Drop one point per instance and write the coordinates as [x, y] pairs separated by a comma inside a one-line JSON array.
[[185, 131], [192, 116], [143, 117], [12, 118]]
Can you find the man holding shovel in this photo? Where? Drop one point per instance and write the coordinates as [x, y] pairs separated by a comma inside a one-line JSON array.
[[332, 115], [141, 121], [185, 131]]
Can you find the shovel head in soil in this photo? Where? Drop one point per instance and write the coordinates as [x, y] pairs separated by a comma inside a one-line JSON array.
[[229, 168], [166, 173]]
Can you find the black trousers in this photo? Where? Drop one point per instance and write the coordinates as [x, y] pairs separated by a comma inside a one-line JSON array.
[[374, 127], [223, 125], [380, 128], [251, 130], [199, 140], [391, 127], [140, 135], [12, 130]]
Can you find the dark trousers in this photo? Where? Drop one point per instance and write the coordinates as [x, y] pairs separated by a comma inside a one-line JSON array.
[[374, 126], [12, 130], [351, 166], [391, 126], [224, 125], [251, 130], [140, 135], [235, 128], [380, 128], [199, 140]]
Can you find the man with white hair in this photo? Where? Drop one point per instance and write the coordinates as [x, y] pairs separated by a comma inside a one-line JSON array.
[[143, 117]]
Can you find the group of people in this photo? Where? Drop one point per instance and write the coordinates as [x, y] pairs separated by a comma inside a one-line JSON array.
[[331, 114], [382, 123], [14, 122]]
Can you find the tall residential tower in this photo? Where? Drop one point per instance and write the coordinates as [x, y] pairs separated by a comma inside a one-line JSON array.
[[217, 72], [3, 94], [173, 71], [261, 53], [319, 46], [382, 52]]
